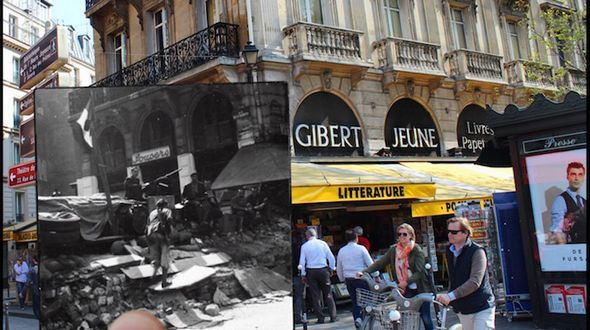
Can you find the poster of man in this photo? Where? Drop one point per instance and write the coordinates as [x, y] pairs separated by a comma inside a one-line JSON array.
[[122, 235], [558, 194]]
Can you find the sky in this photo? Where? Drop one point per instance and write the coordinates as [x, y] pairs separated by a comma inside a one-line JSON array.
[[71, 12]]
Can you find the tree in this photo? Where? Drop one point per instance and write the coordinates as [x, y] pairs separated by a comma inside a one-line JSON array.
[[560, 28]]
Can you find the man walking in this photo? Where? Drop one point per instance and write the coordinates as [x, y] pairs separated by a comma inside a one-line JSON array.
[[21, 272], [470, 293], [317, 264], [158, 231], [353, 258]]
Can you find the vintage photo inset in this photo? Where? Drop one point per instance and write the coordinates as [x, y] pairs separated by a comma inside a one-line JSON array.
[[169, 199]]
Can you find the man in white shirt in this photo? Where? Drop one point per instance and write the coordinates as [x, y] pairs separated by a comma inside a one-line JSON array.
[[353, 258], [21, 272], [317, 264]]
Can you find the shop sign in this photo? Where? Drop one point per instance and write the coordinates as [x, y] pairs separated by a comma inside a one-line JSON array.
[[353, 193], [324, 125], [479, 235], [410, 130], [472, 130], [22, 174], [26, 236], [27, 138], [442, 207], [7, 235], [47, 55], [556, 142], [27, 103], [150, 155]]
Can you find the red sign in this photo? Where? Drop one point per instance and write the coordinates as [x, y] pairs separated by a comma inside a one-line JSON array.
[[27, 138], [22, 174]]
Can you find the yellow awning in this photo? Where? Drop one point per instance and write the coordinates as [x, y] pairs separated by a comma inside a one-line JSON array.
[[26, 235], [321, 183], [458, 182]]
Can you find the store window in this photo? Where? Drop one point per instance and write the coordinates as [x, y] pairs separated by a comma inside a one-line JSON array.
[[119, 52], [160, 29], [15, 70], [311, 11], [393, 18], [513, 41], [458, 28], [34, 35], [12, 26]]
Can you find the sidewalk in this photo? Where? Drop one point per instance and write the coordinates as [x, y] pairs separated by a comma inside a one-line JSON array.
[[13, 308], [344, 321]]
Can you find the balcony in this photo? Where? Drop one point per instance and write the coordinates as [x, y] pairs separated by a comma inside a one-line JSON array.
[[526, 74], [408, 58], [218, 40], [576, 81], [469, 65], [91, 3]]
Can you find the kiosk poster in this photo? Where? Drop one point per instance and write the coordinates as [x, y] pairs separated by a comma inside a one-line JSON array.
[[557, 183]]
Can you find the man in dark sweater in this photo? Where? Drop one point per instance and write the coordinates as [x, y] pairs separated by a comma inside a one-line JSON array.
[[470, 293]]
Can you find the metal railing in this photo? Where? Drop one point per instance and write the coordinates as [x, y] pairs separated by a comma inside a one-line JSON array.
[[90, 3], [320, 41], [521, 73], [469, 64], [398, 53], [220, 39]]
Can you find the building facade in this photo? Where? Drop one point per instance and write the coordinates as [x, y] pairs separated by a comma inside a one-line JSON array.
[[25, 23]]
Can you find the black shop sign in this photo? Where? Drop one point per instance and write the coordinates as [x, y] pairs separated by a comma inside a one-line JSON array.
[[410, 130], [472, 130], [324, 125]]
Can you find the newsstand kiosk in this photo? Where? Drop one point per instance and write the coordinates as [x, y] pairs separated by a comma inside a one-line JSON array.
[[547, 146]]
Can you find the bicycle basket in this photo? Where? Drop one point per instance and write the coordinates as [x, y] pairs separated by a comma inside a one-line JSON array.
[[369, 298]]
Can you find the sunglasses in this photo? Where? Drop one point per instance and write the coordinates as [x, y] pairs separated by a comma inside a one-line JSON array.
[[402, 234], [455, 232]]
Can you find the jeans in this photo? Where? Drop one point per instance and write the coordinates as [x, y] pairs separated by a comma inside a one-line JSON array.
[[351, 285], [21, 289], [424, 310]]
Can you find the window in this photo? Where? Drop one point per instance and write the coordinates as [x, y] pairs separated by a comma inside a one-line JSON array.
[[12, 26], [160, 30], [16, 150], [119, 48], [16, 113], [393, 18], [92, 79], [18, 206], [458, 28], [34, 35], [514, 44], [311, 11], [15, 70]]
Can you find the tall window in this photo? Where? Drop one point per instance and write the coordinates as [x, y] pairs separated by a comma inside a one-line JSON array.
[[12, 26], [119, 48], [458, 27], [19, 199], [513, 41], [16, 113], [393, 18], [160, 30], [16, 155], [34, 34], [311, 10], [15, 70]]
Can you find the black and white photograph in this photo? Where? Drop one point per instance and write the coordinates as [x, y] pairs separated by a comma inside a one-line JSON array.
[[172, 201]]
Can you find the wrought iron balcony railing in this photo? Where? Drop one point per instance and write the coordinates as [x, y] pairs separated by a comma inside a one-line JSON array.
[[521, 73], [220, 39], [320, 42], [407, 55], [90, 3], [577, 81], [466, 64]]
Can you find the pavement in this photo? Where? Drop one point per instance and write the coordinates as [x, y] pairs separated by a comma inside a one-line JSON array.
[[344, 321]]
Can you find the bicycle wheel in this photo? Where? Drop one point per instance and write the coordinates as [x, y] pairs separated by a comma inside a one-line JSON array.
[[372, 322]]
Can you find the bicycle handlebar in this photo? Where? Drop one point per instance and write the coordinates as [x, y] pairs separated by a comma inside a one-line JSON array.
[[411, 304]]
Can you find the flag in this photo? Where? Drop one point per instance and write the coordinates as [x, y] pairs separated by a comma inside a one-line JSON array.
[[84, 122]]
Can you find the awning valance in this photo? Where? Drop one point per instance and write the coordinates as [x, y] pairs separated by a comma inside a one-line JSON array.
[[322, 183]]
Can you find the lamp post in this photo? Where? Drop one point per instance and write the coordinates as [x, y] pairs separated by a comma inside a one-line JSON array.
[[250, 55]]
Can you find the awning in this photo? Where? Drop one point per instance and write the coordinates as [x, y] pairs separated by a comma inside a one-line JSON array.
[[11, 233], [26, 235], [321, 183], [458, 182], [261, 162]]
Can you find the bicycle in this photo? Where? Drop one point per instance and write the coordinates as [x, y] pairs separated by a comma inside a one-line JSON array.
[[391, 310]]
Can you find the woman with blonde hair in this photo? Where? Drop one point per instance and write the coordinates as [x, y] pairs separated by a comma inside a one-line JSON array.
[[407, 262]]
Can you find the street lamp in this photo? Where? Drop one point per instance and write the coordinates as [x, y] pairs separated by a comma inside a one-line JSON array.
[[250, 55]]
